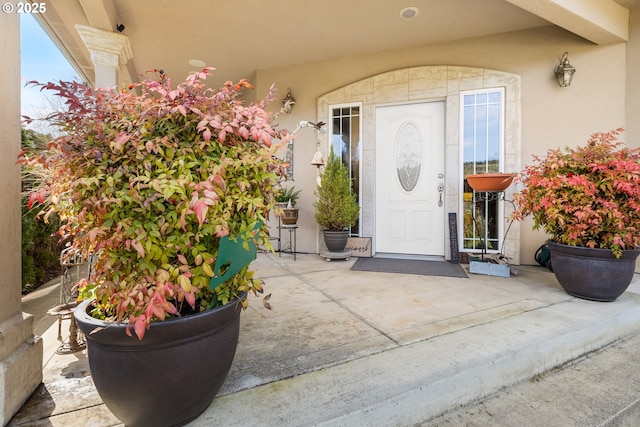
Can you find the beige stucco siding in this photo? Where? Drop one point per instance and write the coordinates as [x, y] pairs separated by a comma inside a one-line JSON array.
[[550, 116]]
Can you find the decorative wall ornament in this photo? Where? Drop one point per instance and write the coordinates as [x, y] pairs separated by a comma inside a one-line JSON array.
[[288, 158], [288, 102]]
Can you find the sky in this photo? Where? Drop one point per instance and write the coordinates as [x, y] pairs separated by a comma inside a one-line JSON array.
[[40, 60]]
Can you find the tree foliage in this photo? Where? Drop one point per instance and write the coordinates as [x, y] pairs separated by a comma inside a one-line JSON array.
[[40, 247], [588, 196], [150, 178], [336, 206]]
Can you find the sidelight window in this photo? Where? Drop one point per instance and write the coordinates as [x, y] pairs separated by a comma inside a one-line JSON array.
[[345, 130], [482, 137]]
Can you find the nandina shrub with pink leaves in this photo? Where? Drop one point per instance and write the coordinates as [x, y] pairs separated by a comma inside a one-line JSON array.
[[149, 179], [588, 196]]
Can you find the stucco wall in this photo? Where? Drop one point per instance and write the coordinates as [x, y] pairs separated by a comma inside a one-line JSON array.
[[551, 116], [633, 78]]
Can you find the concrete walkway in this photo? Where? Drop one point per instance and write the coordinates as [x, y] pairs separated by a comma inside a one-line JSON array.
[[345, 348]]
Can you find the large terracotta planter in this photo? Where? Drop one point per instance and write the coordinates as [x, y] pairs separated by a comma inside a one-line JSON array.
[[170, 376], [490, 182], [593, 274]]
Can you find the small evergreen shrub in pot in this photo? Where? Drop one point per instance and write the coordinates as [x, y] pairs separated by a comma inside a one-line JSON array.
[[171, 187], [336, 206]]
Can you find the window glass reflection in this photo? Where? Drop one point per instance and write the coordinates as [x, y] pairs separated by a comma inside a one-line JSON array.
[[482, 132], [345, 141]]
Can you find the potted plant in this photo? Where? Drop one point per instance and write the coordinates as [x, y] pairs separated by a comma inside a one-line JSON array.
[[588, 200], [286, 199], [336, 206], [171, 189]]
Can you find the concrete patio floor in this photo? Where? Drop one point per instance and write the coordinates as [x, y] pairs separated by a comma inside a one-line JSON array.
[[349, 348]]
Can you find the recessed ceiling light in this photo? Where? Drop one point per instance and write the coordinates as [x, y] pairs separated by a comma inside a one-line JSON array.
[[409, 12], [197, 63]]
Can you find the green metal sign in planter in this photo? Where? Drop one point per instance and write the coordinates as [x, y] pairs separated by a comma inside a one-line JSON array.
[[233, 256]]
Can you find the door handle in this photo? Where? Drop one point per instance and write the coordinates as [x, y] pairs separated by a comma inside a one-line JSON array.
[[440, 190]]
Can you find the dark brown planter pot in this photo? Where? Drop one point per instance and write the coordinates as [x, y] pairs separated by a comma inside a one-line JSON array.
[[593, 274], [170, 376], [336, 241]]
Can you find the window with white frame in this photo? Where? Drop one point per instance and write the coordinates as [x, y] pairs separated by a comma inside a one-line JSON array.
[[345, 131], [482, 134]]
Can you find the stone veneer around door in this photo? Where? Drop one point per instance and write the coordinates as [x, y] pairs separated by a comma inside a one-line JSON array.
[[423, 84]]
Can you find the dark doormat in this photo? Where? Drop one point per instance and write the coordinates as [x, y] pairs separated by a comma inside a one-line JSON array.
[[410, 266]]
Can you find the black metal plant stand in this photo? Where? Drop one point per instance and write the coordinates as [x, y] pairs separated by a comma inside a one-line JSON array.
[[498, 267], [71, 264], [293, 231], [490, 196]]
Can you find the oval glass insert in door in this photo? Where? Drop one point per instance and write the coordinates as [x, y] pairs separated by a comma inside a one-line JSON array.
[[408, 155]]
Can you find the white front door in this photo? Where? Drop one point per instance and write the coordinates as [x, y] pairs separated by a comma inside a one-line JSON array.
[[410, 179]]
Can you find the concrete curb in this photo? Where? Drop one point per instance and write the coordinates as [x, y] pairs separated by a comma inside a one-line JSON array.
[[417, 382]]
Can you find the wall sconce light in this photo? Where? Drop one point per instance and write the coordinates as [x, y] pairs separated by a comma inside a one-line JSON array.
[[564, 71], [288, 102]]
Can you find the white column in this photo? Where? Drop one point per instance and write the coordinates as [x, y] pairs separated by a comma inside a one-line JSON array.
[[20, 350], [109, 51]]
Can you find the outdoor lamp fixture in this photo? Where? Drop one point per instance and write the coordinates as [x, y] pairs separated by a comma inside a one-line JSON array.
[[288, 102], [564, 71]]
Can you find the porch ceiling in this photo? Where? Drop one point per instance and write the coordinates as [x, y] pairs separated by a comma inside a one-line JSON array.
[[241, 36]]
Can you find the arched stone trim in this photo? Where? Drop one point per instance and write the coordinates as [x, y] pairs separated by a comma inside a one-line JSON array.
[[430, 83]]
